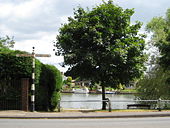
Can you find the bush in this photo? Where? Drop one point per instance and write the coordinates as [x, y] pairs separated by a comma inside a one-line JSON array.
[[55, 101], [69, 81], [49, 88], [155, 85]]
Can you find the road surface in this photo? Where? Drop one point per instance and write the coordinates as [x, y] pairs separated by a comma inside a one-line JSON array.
[[156, 122]]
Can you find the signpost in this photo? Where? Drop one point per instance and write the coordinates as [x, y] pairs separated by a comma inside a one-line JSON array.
[[33, 55]]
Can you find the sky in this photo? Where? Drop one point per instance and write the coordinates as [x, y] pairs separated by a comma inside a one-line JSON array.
[[35, 23]]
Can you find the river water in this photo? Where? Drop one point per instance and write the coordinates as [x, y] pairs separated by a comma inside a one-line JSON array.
[[67, 98]]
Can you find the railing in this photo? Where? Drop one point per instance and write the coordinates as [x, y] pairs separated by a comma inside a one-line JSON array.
[[157, 104]]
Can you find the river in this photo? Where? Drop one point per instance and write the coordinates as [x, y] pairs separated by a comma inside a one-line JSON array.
[[65, 97]]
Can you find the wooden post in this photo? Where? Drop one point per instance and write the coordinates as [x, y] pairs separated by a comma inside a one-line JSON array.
[[24, 95]]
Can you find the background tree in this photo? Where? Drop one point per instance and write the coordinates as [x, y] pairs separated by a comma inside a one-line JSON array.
[[160, 30], [102, 45], [6, 42], [69, 81], [156, 84]]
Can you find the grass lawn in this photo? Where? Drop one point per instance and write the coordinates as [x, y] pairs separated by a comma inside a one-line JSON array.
[[128, 91]]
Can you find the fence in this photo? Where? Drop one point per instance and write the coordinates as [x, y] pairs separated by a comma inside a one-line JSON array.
[[14, 94], [10, 96], [139, 104]]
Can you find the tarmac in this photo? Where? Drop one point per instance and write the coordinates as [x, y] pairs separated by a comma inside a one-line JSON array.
[[15, 114]]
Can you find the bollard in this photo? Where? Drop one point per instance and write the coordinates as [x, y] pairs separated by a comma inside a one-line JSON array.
[[159, 104], [109, 104], [59, 110]]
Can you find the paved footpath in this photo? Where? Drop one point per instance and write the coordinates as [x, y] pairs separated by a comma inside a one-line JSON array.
[[75, 115]]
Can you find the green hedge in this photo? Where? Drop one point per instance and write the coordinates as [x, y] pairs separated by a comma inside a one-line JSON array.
[[12, 66]]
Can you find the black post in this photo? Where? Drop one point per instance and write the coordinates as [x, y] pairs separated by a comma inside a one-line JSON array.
[[103, 98]]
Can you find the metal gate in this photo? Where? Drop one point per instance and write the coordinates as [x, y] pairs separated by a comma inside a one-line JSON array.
[[13, 94]]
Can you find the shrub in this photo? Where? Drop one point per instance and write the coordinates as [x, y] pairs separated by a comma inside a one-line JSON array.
[[49, 88], [54, 101]]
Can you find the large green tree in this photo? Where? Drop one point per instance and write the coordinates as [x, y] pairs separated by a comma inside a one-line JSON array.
[[102, 45], [160, 30]]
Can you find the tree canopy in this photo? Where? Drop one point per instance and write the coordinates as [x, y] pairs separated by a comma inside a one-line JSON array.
[[102, 45], [6, 42], [160, 30]]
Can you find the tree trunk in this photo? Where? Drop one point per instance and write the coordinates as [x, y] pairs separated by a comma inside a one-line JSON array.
[[103, 98]]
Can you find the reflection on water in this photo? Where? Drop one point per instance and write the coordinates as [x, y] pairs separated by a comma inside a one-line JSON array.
[[93, 105]]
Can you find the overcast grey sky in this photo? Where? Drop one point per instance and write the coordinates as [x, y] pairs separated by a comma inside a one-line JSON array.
[[36, 22]]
